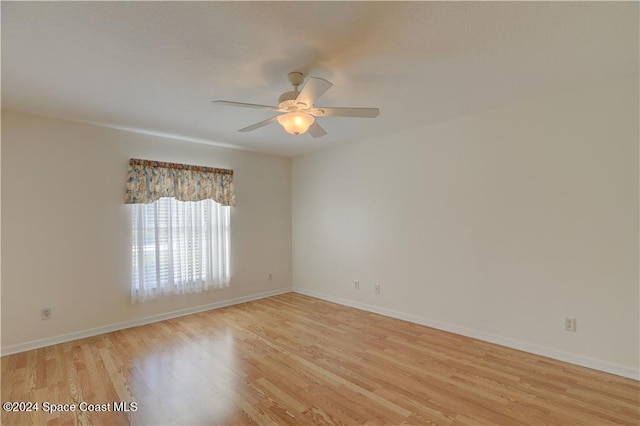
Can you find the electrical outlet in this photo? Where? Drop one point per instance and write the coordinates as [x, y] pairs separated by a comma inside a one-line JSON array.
[[356, 285], [377, 288], [45, 312], [570, 324], [270, 276]]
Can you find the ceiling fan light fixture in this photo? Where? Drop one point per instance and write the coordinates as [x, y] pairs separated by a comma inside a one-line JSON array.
[[296, 123]]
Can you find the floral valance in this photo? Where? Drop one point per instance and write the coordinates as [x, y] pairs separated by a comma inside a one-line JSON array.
[[148, 181]]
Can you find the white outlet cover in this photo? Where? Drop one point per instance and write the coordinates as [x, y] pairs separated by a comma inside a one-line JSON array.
[[570, 324]]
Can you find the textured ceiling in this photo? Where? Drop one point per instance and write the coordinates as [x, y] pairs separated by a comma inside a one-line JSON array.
[[156, 66]]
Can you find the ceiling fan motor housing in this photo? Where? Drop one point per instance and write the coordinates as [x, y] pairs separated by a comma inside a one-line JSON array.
[[288, 100]]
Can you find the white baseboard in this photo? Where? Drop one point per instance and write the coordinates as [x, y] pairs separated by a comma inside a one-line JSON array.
[[40, 343], [596, 364]]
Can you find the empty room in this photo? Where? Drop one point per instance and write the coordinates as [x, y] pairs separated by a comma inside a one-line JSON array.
[[316, 212]]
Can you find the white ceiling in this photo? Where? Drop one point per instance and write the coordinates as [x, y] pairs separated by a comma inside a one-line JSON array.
[[156, 66]]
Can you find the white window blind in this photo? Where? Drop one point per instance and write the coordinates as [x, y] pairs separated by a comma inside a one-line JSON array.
[[179, 247]]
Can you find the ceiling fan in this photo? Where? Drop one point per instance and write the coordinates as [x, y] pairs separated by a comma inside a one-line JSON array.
[[298, 110]]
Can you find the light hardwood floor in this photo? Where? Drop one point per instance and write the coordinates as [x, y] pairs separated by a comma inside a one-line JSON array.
[[292, 359]]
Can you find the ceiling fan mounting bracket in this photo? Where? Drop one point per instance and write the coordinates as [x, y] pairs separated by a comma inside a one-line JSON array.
[[296, 78]]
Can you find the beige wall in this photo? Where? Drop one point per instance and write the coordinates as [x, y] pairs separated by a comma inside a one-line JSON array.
[[66, 229], [496, 225]]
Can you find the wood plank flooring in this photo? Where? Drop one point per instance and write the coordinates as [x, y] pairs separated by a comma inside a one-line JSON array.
[[293, 359]]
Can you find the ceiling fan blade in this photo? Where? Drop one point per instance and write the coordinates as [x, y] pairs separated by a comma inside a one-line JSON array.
[[258, 125], [345, 112], [316, 130], [312, 90], [242, 104]]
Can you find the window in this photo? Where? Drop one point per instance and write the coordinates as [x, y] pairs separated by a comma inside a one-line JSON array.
[[180, 227], [179, 247]]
